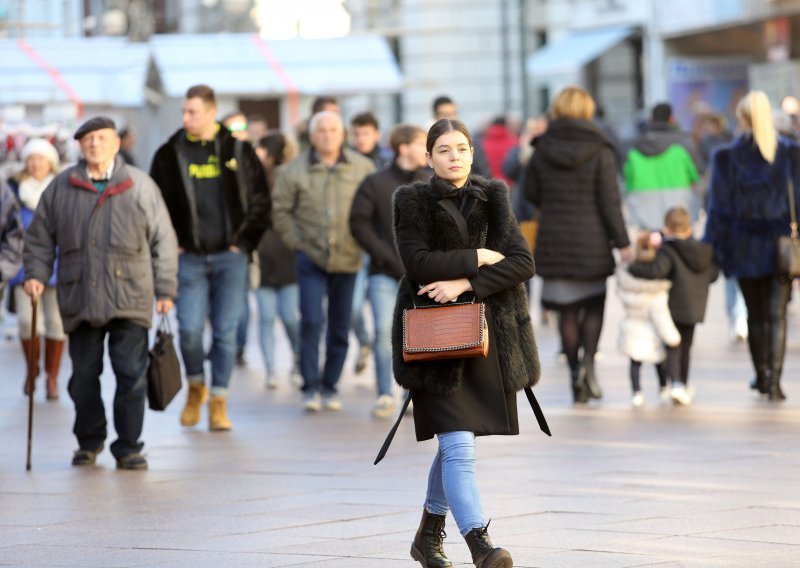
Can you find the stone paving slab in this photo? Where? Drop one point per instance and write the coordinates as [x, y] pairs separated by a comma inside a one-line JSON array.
[[713, 485]]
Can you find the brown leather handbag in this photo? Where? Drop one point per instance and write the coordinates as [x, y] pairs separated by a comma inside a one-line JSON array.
[[445, 331], [789, 245]]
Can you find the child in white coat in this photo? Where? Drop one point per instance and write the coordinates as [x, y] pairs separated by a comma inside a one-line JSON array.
[[647, 325]]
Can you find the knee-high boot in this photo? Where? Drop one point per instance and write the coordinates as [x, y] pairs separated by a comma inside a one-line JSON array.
[[31, 372], [580, 390], [428, 545], [758, 342], [591, 380], [53, 349], [777, 337]]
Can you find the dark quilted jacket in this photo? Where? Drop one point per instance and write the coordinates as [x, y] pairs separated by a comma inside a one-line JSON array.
[[572, 179]]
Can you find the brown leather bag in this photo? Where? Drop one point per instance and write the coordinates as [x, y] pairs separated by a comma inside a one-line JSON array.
[[445, 331]]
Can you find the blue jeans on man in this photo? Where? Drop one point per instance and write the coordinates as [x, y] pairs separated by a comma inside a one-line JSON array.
[[210, 285], [382, 296], [127, 349], [315, 284]]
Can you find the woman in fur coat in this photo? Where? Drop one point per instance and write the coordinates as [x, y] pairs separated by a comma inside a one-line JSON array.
[[647, 325], [458, 239], [748, 209]]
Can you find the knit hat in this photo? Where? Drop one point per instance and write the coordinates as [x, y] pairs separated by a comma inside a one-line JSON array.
[[41, 147]]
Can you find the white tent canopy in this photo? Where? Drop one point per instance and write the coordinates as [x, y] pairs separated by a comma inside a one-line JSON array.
[[571, 52]]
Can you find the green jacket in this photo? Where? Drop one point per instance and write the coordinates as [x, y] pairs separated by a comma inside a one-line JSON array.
[[311, 208], [671, 169]]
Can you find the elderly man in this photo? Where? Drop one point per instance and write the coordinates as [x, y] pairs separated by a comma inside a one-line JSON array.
[[217, 196], [117, 251], [311, 208]]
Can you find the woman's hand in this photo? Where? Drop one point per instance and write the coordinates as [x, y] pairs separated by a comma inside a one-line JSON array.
[[446, 290], [487, 256]]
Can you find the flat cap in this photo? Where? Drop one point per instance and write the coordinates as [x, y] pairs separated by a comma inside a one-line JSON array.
[[96, 123]]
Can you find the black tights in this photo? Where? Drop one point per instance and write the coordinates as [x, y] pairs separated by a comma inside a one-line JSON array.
[[580, 326]]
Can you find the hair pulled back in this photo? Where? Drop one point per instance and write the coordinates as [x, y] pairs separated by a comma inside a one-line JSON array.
[[443, 126]]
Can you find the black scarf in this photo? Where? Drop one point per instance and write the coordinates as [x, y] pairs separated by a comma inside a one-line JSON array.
[[442, 189]]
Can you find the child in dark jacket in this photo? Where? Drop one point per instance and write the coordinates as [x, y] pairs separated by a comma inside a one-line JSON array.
[[688, 264]]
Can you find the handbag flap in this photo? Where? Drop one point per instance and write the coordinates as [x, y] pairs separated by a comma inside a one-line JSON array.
[[443, 328]]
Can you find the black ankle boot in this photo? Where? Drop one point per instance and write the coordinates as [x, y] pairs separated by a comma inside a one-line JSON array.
[[484, 554], [591, 381], [427, 548], [777, 352], [580, 391]]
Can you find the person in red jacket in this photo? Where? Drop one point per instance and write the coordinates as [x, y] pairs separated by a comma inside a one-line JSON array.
[[498, 140]]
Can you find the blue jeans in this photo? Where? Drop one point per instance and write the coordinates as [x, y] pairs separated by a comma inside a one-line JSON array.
[[382, 297], [451, 482], [284, 302], [315, 284], [734, 301], [244, 319], [127, 349], [359, 296], [210, 284]]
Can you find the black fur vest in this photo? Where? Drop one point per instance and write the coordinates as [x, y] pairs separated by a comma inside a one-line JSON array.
[[514, 339]]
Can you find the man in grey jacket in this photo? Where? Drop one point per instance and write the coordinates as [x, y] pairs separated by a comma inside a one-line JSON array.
[[10, 235], [311, 210], [117, 251]]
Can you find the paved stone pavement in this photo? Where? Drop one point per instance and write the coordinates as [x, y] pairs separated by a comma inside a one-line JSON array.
[[716, 484]]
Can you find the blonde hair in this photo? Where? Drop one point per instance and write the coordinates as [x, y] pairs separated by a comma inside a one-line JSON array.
[[573, 102], [755, 112]]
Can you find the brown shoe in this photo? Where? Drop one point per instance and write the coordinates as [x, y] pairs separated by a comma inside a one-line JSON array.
[[218, 414], [484, 553], [31, 372], [198, 394], [53, 349]]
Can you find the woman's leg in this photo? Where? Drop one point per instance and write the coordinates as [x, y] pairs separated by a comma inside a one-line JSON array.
[[436, 500], [779, 292], [24, 317], [428, 545], [458, 479], [54, 340], [267, 300], [570, 343], [757, 302], [591, 326]]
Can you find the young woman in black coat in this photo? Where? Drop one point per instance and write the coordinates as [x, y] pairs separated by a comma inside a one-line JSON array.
[[458, 239], [572, 180]]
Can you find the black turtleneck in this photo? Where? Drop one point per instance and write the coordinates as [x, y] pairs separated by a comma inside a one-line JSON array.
[[371, 217]]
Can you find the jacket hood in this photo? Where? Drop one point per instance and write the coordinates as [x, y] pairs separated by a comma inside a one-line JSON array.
[[697, 256], [180, 134], [657, 138], [570, 142]]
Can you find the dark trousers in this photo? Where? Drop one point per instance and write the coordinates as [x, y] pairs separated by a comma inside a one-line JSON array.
[[127, 349], [766, 300], [678, 358], [636, 372], [315, 284]]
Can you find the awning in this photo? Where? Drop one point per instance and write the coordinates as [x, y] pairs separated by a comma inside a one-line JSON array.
[[246, 64], [84, 71], [569, 53]]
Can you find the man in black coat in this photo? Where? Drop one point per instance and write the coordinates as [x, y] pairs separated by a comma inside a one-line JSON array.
[[217, 196], [371, 225]]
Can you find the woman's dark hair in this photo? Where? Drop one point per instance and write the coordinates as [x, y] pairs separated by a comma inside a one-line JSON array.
[[443, 126], [275, 144]]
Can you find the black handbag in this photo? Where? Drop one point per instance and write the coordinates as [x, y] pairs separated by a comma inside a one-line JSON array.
[[164, 372], [789, 245]]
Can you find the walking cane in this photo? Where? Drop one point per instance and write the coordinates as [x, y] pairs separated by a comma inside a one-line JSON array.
[[32, 363]]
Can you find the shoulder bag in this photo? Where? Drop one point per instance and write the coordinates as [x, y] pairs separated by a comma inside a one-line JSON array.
[[445, 331], [789, 245]]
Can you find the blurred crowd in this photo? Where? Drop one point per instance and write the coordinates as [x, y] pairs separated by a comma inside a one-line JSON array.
[[231, 215]]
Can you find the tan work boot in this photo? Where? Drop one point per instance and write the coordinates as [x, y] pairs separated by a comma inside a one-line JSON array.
[[53, 349], [218, 414], [198, 394]]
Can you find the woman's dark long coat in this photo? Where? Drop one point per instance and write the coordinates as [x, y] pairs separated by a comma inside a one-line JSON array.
[[476, 395]]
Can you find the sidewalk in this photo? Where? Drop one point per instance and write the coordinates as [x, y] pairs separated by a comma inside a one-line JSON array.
[[716, 484]]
